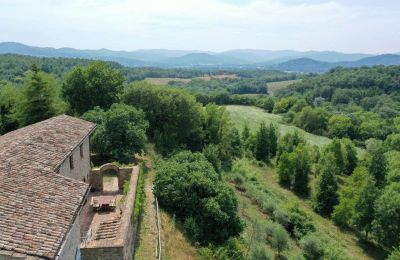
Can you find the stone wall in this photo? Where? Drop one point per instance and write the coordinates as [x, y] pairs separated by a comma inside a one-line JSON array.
[[81, 164], [71, 243], [96, 175], [121, 248]]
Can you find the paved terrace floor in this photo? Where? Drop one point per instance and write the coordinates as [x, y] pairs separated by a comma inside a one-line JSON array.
[[105, 226]]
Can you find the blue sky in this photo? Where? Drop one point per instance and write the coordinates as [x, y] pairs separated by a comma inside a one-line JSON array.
[[368, 26]]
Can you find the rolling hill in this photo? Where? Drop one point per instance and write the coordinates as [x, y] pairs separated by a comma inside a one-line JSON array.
[[286, 60]]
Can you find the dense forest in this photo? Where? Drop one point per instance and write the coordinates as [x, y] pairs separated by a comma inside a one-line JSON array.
[[208, 166]]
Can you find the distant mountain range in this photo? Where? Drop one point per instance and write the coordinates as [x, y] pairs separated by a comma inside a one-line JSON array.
[[286, 60]]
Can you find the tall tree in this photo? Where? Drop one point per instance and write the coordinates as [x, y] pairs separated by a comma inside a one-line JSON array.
[[351, 156], [120, 133], [95, 85], [377, 164], [302, 169], [38, 100], [386, 226], [272, 140], [245, 132], [364, 205], [357, 197], [176, 119], [262, 143], [326, 197]]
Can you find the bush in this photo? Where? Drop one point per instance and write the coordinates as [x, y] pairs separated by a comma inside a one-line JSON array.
[[312, 246], [268, 206], [277, 236], [334, 252], [188, 186], [259, 252], [394, 255]]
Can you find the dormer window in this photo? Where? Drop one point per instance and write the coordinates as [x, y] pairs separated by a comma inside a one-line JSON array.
[[81, 150], [71, 162]]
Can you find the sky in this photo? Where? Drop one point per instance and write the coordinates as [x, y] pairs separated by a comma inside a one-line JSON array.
[[352, 26]]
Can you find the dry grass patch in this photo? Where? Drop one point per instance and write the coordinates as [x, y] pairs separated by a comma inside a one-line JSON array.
[[274, 86], [174, 243]]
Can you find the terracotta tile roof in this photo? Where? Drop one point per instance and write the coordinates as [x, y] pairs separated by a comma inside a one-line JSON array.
[[38, 205]]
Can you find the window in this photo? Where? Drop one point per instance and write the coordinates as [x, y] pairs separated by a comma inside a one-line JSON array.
[[71, 162], [81, 150]]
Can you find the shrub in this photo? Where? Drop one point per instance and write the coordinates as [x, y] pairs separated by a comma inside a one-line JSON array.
[[333, 252], [312, 246], [268, 206], [188, 186], [394, 255], [259, 252], [277, 236]]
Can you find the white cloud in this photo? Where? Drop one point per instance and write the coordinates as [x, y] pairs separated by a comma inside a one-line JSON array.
[[202, 24]]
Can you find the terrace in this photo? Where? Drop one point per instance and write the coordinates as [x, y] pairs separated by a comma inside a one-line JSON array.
[[106, 217]]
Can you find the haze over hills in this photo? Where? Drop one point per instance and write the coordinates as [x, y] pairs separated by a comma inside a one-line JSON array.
[[287, 60]]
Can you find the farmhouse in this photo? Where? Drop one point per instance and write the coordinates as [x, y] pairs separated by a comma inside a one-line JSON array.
[[45, 184]]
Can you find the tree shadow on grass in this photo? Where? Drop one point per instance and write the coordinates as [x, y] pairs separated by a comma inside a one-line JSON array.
[[372, 250]]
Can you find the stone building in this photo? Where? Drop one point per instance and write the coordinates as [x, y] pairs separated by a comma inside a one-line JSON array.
[[44, 173]]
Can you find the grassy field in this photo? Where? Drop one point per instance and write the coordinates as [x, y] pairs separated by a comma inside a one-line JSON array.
[[164, 81], [266, 178], [274, 86], [254, 116]]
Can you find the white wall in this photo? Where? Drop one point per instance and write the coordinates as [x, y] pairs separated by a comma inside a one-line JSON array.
[[71, 243], [81, 168]]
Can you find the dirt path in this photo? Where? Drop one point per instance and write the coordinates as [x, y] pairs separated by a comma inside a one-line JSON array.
[[148, 231]]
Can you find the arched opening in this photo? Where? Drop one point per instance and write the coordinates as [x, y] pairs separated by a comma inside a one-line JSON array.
[[110, 180]]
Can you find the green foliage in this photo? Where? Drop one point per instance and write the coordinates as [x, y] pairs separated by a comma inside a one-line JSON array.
[[219, 131], [345, 155], [281, 106], [364, 100], [289, 142], [393, 159], [326, 197], [266, 103], [188, 186], [394, 255], [9, 97], [313, 247], [211, 152], [260, 252], [120, 133], [340, 126], [233, 249], [312, 120], [39, 100], [295, 220], [95, 85], [278, 237], [392, 142], [266, 143], [377, 162], [386, 225], [294, 168], [357, 199], [176, 119], [245, 133]]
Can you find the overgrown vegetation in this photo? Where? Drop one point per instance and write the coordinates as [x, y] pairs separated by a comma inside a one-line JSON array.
[[290, 186]]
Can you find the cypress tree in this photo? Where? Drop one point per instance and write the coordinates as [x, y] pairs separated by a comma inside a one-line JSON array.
[[273, 140], [326, 197], [37, 103], [262, 144], [378, 165], [351, 157], [245, 132], [301, 170]]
